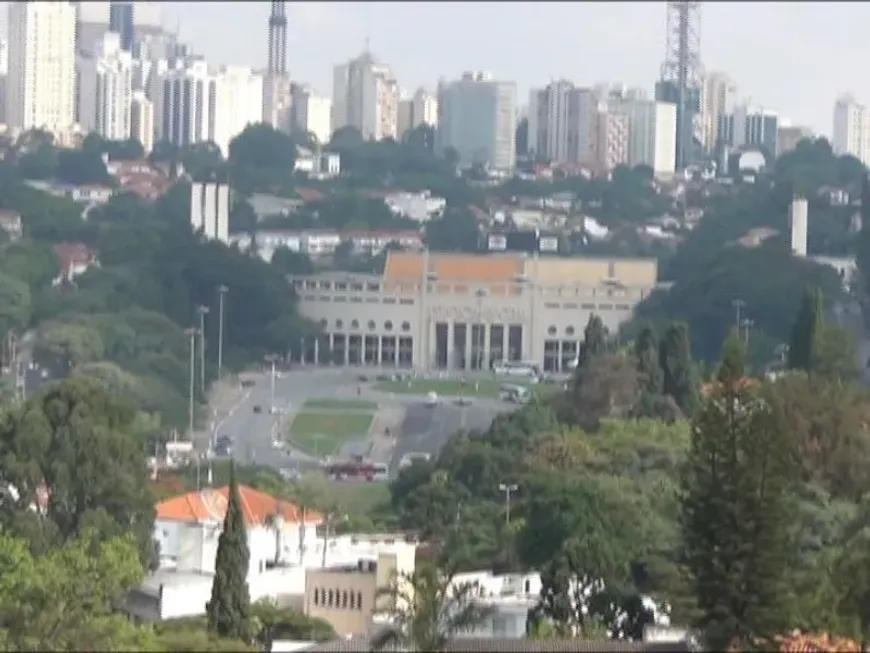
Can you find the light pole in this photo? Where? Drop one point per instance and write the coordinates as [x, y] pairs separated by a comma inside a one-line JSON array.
[[222, 290], [508, 491], [747, 325], [738, 305], [191, 333], [272, 358], [202, 311]]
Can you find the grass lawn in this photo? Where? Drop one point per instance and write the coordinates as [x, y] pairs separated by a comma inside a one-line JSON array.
[[340, 404], [325, 433]]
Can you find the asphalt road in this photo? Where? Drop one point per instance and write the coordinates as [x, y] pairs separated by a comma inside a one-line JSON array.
[[423, 428]]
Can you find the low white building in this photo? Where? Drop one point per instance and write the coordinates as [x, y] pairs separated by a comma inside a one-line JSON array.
[[317, 165], [420, 207], [324, 243], [281, 547]]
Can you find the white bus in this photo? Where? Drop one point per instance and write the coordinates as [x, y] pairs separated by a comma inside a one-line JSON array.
[[516, 368]]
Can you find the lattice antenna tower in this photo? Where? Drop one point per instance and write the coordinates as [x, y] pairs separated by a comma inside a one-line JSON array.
[[682, 64], [277, 52]]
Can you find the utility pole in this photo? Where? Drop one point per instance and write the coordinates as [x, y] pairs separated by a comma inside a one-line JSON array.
[[738, 305], [272, 358], [747, 325], [222, 290], [327, 529], [202, 311], [191, 333], [508, 491]]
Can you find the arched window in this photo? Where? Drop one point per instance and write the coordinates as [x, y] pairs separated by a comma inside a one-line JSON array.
[[406, 326], [344, 599], [354, 324], [388, 326]]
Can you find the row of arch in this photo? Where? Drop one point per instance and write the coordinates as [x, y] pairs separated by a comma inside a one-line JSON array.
[[372, 325], [349, 600], [552, 330]]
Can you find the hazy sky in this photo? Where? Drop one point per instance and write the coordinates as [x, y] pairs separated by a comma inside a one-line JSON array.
[[794, 58]]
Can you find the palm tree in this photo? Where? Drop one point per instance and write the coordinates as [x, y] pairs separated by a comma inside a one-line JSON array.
[[427, 610]]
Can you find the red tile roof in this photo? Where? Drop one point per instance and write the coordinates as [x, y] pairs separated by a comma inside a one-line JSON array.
[[258, 507]]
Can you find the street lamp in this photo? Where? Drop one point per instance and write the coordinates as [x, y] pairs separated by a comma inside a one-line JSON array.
[[747, 325], [222, 290], [738, 304], [191, 333], [202, 311], [508, 491], [272, 358]]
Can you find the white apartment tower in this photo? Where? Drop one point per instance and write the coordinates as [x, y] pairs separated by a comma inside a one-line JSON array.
[[310, 113], [365, 96], [851, 129], [40, 89], [421, 109], [187, 105], [563, 124], [106, 89], [477, 119], [210, 210], [238, 102], [652, 139], [142, 120], [719, 99]]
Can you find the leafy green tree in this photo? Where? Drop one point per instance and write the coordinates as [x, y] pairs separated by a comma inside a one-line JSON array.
[[646, 358], [455, 231], [806, 330], [680, 379], [736, 513], [229, 610], [427, 609], [836, 355], [71, 451], [15, 304], [80, 167]]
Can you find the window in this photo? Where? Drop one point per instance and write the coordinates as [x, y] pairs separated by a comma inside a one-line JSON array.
[[406, 326], [372, 325], [551, 330], [316, 596], [329, 598], [354, 324], [569, 331], [344, 599], [352, 600], [359, 600], [339, 323], [323, 323], [388, 325]]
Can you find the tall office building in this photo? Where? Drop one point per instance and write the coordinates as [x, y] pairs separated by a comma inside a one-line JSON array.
[[718, 99], [238, 102], [106, 90], [564, 123], [851, 129], [121, 22], [187, 105], [746, 126], [40, 90], [652, 135], [142, 121], [478, 120], [365, 96], [310, 113], [420, 109]]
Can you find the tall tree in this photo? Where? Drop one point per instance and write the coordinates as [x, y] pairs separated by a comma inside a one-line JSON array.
[[806, 330], [680, 379], [594, 341], [427, 609], [229, 611], [736, 517], [646, 358]]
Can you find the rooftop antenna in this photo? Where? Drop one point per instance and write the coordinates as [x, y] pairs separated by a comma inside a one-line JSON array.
[[368, 27]]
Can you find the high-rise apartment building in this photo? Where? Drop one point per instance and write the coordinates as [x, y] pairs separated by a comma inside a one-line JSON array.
[[365, 96], [40, 91], [718, 99], [478, 120], [652, 135], [238, 102], [186, 105], [851, 129], [121, 22], [788, 137], [746, 126], [310, 113], [106, 89], [548, 120], [142, 120], [612, 140], [420, 109]]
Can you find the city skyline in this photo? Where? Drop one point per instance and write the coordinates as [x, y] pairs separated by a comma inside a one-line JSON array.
[[320, 35]]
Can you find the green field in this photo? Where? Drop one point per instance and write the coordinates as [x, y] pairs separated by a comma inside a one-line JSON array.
[[340, 404], [325, 433]]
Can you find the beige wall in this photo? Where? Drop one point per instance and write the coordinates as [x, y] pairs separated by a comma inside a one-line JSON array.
[[592, 272]]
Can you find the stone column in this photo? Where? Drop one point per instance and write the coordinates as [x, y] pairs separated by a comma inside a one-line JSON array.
[[451, 356], [317, 350], [486, 346], [380, 350]]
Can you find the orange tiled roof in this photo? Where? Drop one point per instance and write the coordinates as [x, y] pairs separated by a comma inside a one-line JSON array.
[[797, 642], [480, 268], [258, 507], [745, 382]]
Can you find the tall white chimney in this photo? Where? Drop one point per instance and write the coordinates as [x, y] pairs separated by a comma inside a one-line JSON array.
[[798, 223]]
